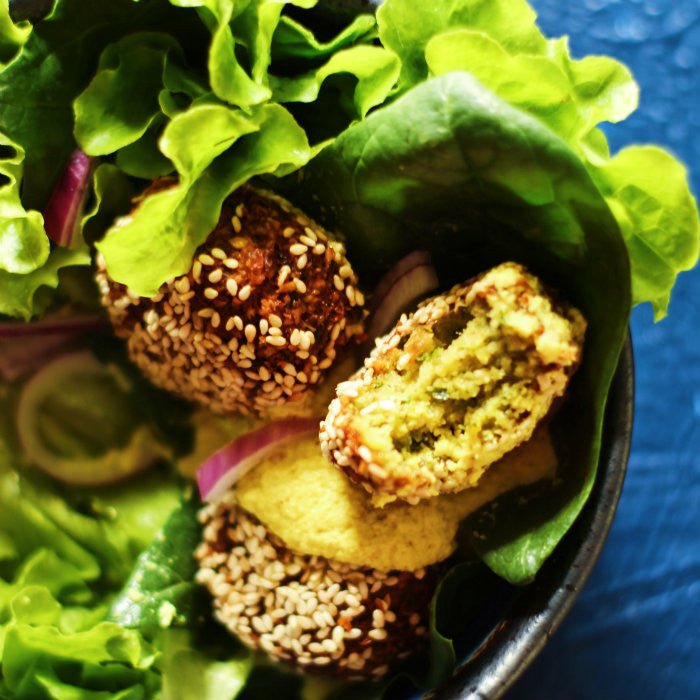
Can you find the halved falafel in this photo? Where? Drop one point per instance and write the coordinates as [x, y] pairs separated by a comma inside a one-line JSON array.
[[454, 386], [266, 308]]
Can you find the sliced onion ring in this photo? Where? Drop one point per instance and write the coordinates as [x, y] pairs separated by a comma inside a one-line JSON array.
[[66, 202], [410, 279], [225, 467]]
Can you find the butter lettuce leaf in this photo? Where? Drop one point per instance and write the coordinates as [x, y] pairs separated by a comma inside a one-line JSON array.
[[452, 168], [406, 28], [648, 191], [500, 45]]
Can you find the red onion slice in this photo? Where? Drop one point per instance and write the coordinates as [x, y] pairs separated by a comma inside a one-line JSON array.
[[65, 204], [410, 279], [225, 467], [20, 357], [68, 325]]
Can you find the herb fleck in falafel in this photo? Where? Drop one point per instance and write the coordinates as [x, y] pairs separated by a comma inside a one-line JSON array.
[[260, 317], [317, 614], [454, 386]]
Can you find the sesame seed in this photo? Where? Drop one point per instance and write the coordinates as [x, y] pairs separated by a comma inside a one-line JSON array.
[[298, 249], [295, 338], [307, 241], [319, 249], [206, 259], [215, 321], [182, 285], [250, 332], [205, 313], [275, 340], [345, 271], [365, 453], [230, 323], [238, 242], [236, 223], [215, 275], [300, 286], [211, 293], [196, 270], [301, 261], [310, 234], [275, 331], [231, 263], [275, 320], [244, 292], [338, 283], [239, 322], [264, 325], [288, 232], [231, 286], [377, 634]]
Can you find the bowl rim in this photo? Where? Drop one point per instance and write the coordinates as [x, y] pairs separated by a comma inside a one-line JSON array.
[[540, 607]]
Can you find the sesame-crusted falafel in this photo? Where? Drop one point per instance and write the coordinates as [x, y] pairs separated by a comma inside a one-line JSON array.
[[258, 320], [317, 614], [454, 386]]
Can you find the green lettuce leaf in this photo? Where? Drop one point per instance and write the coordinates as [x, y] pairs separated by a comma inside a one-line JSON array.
[[13, 35], [161, 590], [376, 70], [406, 27], [189, 672], [647, 189], [225, 148], [121, 101], [50, 650], [24, 245], [292, 40], [571, 97], [500, 45], [20, 294], [452, 168]]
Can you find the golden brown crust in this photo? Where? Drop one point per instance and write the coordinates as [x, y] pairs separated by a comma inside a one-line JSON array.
[[320, 615], [260, 317]]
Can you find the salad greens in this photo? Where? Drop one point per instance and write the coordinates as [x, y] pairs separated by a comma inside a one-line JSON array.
[[454, 125]]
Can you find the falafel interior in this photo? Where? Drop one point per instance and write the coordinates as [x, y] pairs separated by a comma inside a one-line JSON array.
[[454, 387], [315, 509]]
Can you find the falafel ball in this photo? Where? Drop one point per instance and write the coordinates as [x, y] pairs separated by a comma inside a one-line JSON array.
[[260, 317], [319, 615], [454, 386]]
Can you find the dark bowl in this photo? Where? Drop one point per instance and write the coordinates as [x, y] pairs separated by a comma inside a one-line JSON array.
[[531, 614]]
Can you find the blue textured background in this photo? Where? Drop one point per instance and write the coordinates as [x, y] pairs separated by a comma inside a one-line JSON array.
[[634, 633]]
